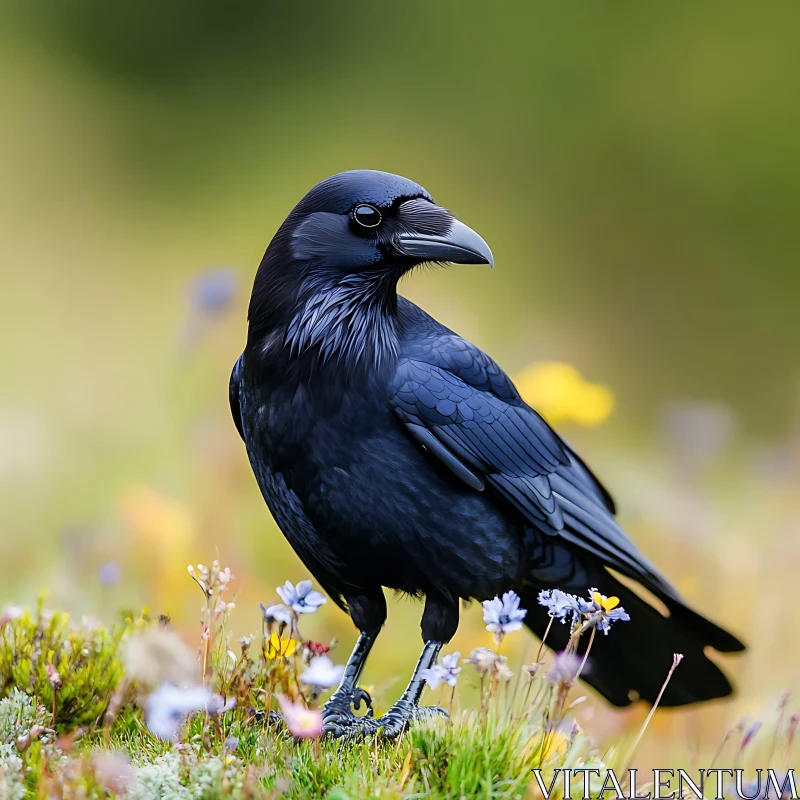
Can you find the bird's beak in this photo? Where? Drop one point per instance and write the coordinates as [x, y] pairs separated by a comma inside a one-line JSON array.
[[461, 245]]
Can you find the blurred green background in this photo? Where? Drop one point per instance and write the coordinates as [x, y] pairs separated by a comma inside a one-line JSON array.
[[635, 168]]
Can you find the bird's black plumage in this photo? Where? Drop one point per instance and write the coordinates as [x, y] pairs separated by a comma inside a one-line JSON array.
[[393, 453]]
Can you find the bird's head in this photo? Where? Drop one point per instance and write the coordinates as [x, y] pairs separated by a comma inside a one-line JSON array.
[[358, 231], [369, 220]]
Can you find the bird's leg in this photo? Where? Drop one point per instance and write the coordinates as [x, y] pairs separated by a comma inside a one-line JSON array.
[[439, 623], [338, 717], [407, 708]]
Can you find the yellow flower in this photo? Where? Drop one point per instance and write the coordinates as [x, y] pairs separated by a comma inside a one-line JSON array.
[[561, 394], [280, 647], [606, 603]]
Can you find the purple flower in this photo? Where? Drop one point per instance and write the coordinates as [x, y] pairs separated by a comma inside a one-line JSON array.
[[302, 598], [109, 573], [564, 669], [447, 671], [214, 290]]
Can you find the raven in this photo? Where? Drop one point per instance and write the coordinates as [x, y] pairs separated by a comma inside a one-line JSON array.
[[393, 453]]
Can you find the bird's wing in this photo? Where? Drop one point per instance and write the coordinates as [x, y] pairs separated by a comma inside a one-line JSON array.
[[233, 396], [457, 402]]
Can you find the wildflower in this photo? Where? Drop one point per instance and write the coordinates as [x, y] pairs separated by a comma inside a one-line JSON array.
[[109, 573], [561, 605], [483, 659], [225, 577], [450, 664], [200, 576], [277, 612], [317, 648], [245, 643], [564, 395], [167, 707], [532, 669], [217, 705], [605, 610], [159, 656], [302, 598], [564, 669], [433, 676], [750, 735], [302, 722], [10, 613], [231, 743], [598, 610], [486, 660], [52, 676], [113, 771], [502, 671], [503, 616], [214, 290], [446, 672], [322, 673], [276, 646]]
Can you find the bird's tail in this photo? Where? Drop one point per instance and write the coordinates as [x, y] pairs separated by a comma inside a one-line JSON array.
[[632, 661]]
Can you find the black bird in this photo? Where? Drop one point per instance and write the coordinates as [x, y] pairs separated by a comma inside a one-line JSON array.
[[393, 453]]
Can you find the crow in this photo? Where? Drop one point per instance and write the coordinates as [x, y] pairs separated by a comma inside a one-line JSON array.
[[393, 453]]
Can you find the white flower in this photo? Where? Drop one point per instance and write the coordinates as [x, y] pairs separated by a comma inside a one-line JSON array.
[[166, 708], [450, 665], [322, 673], [219, 705], [504, 615], [561, 605], [433, 676], [277, 612], [302, 598], [486, 660], [447, 671]]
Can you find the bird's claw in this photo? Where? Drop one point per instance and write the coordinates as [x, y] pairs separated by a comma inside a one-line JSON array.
[[362, 696], [427, 713], [340, 722], [338, 718], [269, 718]]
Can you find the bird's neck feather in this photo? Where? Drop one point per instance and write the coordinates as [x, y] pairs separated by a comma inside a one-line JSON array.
[[346, 318], [331, 319]]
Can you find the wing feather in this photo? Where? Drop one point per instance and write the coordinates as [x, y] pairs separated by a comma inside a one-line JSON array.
[[465, 410]]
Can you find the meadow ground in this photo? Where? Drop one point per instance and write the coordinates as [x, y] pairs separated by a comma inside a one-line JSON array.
[[132, 710]]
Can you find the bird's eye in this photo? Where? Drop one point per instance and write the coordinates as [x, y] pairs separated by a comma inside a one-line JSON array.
[[367, 216]]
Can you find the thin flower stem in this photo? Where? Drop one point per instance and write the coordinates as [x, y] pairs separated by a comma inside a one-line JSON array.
[[585, 656], [676, 659], [541, 645]]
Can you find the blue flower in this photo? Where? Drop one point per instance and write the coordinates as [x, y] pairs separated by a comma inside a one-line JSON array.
[[277, 612], [504, 615], [302, 598], [598, 611]]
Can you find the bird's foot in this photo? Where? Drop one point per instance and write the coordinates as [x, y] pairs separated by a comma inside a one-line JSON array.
[[268, 718], [389, 726], [338, 719]]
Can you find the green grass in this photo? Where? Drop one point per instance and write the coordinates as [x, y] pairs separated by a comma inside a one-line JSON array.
[[73, 722]]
